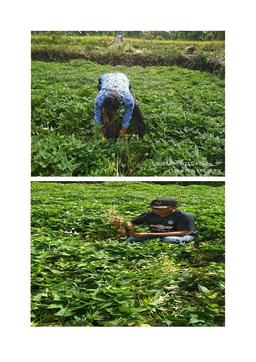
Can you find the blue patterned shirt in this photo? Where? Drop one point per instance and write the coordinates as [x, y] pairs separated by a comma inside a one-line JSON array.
[[121, 84]]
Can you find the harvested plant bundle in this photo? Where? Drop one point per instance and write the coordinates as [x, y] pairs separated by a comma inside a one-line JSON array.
[[122, 227]]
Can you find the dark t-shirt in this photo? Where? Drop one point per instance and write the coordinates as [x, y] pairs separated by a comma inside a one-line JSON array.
[[176, 221]]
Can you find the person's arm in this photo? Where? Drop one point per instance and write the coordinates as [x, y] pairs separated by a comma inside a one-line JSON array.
[[129, 106], [101, 132], [98, 107], [185, 226], [123, 131], [131, 229], [140, 220], [171, 233]]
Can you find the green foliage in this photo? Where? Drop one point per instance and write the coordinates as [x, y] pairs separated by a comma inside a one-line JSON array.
[[183, 111], [83, 276]]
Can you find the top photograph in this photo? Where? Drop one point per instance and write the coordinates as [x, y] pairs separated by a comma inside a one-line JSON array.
[[128, 103]]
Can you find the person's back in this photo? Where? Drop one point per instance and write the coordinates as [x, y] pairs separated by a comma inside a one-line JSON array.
[[115, 81]]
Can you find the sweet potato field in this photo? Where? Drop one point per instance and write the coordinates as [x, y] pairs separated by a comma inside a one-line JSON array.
[[183, 111], [83, 275]]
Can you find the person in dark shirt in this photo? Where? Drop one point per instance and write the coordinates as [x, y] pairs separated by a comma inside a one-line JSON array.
[[165, 222]]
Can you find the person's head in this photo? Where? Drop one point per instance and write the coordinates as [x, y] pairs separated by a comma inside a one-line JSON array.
[[112, 103], [163, 206]]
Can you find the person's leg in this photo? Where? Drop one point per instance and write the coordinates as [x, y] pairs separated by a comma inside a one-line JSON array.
[[137, 118], [135, 239], [109, 125], [177, 239]]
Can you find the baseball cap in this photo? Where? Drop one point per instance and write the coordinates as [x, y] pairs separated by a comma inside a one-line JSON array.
[[163, 203]]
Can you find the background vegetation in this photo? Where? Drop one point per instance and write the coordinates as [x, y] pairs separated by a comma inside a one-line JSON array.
[[145, 50], [83, 276], [171, 35]]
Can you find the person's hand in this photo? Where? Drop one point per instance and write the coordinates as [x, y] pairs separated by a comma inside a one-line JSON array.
[[101, 132], [121, 231], [123, 132], [105, 118], [136, 234], [131, 232]]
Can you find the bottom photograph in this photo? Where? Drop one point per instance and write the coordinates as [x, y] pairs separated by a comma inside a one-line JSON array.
[[128, 254]]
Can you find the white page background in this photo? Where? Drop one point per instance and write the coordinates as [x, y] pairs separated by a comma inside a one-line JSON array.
[[19, 340]]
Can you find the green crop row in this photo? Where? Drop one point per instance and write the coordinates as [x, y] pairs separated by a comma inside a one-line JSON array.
[[183, 111], [83, 276]]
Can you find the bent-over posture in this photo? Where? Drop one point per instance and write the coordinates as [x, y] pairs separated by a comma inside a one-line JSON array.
[[114, 92]]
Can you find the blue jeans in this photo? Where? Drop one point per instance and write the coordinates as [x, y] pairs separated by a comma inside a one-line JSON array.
[[165, 239]]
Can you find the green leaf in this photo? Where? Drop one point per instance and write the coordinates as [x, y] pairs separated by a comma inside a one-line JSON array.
[[203, 289], [54, 306], [195, 320], [64, 312]]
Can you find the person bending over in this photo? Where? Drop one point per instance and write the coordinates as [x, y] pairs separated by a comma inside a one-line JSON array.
[[114, 92], [166, 222]]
